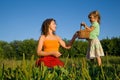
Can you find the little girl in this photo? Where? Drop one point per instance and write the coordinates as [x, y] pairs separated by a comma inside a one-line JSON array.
[[94, 48]]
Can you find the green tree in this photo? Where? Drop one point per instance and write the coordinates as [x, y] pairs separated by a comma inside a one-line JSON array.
[[29, 47], [17, 47], [114, 46], [2, 51], [105, 43], [8, 51]]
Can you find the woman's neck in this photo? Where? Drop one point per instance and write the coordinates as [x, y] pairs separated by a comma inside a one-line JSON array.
[[50, 32]]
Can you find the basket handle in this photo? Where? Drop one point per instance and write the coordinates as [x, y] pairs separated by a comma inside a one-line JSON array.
[[80, 27]]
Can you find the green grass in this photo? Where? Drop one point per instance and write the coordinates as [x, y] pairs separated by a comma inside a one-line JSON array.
[[75, 69]]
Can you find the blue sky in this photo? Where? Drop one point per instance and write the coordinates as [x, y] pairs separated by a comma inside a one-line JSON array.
[[22, 19]]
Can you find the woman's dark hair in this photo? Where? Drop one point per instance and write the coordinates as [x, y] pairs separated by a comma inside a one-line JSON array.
[[45, 26]]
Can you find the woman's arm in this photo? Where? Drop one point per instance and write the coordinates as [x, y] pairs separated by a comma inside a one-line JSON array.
[[40, 46], [73, 39], [67, 46]]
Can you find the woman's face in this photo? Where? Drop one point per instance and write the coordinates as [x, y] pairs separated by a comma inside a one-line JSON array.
[[52, 26]]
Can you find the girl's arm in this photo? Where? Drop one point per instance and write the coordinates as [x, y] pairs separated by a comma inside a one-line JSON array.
[[91, 28]]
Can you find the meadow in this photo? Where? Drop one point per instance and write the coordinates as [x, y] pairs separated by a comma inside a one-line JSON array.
[[75, 69]]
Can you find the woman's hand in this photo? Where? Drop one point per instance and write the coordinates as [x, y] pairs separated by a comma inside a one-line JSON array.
[[56, 54]]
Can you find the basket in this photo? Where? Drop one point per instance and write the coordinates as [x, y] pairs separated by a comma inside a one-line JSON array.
[[83, 34]]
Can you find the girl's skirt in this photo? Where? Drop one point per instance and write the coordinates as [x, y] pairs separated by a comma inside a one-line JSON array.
[[94, 49]]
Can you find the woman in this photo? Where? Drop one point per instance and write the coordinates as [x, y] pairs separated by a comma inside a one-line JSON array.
[[48, 45]]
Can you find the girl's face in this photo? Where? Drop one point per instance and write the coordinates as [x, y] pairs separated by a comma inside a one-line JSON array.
[[92, 19], [52, 26]]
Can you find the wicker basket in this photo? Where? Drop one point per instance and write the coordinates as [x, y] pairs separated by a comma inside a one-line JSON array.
[[83, 34]]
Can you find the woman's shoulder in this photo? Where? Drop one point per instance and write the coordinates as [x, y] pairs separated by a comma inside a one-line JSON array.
[[42, 37], [58, 37]]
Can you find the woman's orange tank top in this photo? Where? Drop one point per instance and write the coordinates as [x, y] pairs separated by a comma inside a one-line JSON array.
[[51, 45]]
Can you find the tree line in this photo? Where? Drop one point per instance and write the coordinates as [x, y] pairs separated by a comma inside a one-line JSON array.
[[16, 48]]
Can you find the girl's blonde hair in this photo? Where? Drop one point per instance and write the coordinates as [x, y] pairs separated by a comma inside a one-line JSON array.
[[96, 14]]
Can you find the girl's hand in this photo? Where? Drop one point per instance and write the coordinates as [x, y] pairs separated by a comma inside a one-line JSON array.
[[83, 24]]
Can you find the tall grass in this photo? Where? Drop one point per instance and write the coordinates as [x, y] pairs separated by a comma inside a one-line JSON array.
[[74, 69]]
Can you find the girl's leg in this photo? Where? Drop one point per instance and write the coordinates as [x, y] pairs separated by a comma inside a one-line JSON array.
[[99, 61]]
